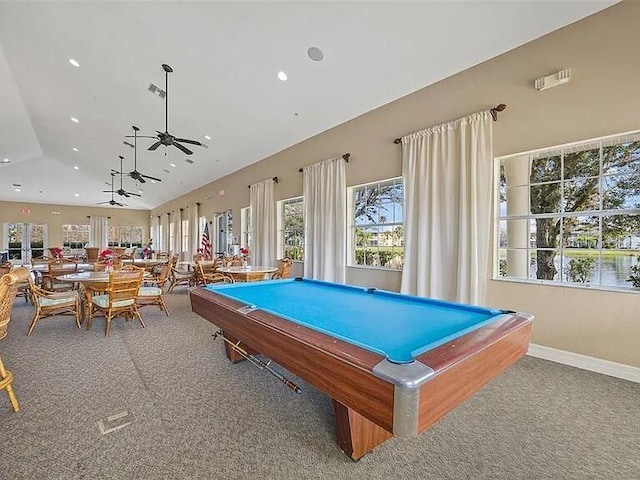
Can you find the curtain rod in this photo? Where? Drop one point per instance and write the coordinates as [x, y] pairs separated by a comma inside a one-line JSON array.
[[494, 114], [275, 179], [345, 156]]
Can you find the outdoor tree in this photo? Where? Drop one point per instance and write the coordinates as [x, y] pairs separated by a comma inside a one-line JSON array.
[[581, 193]]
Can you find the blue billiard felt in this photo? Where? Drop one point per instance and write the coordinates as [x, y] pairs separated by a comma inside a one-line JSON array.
[[397, 326]]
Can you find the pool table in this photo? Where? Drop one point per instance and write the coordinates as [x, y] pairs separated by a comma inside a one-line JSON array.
[[392, 364]]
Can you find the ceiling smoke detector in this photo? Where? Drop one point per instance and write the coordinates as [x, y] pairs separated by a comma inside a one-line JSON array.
[[157, 91]]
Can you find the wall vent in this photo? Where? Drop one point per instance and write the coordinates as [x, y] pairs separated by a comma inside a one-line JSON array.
[[550, 81]]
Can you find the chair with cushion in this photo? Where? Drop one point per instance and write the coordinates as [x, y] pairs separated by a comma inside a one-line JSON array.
[[179, 277], [57, 268], [120, 298], [49, 304], [8, 289], [151, 291], [284, 269]]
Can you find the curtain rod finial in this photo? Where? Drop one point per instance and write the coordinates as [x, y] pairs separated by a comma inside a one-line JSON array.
[[494, 111], [397, 141]]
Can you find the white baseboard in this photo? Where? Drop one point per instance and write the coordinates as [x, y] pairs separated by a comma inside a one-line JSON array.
[[618, 370]]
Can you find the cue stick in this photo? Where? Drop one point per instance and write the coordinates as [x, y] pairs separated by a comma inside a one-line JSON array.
[[258, 363]]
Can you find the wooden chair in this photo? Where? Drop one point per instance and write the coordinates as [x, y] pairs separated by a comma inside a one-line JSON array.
[[5, 268], [57, 268], [205, 278], [180, 277], [151, 291], [92, 254], [49, 304], [8, 289], [120, 299], [284, 269]]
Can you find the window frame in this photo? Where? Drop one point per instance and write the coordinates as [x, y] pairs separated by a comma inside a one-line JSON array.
[[281, 204], [351, 247], [599, 212]]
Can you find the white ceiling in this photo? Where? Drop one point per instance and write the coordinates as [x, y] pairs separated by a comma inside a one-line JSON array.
[[225, 57]]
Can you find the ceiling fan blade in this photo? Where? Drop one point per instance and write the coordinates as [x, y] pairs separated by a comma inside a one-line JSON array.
[[183, 148], [186, 140], [138, 178], [155, 145], [150, 178], [137, 136], [134, 194], [102, 203], [107, 191]]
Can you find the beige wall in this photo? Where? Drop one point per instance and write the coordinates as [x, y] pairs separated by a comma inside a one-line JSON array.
[[69, 215], [602, 98]]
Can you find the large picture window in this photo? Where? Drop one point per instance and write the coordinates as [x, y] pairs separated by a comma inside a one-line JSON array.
[[125, 236], [75, 236], [377, 234], [291, 228], [572, 214]]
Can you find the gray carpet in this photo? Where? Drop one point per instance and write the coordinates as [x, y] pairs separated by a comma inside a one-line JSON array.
[[198, 416]]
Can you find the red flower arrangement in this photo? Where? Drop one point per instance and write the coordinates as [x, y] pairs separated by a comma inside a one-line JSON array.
[[146, 252], [244, 251], [106, 255], [56, 252]]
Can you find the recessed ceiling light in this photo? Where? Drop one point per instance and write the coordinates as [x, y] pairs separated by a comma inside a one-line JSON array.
[[17, 189], [74, 120], [139, 191], [76, 167], [76, 194], [282, 76], [153, 181], [173, 165], [207, 137], [74, 62], [6, 160], [315, 54], [75, 149]]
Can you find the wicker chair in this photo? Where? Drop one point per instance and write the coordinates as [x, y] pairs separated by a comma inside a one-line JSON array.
[[52, 283], [284, 269], [49, 304], [8, 288], [92, 254], [120, 299], [205, 278], [151, 291]]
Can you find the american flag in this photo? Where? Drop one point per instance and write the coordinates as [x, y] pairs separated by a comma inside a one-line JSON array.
[[206, 243]]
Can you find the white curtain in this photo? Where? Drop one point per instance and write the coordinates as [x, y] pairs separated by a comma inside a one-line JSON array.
[[325, 211], [155, 232], [263, 217], [177, 233], [447, 173], [194, 231], [164, 246], [98, 232]]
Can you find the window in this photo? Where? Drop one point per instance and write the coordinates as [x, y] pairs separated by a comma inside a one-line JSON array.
[[571, 214], [291, 228], [246, 229], [377, 234], [125, 236], [75, 236]]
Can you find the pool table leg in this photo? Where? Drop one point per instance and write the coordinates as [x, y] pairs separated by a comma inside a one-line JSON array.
[[232, 355], [357, 435]]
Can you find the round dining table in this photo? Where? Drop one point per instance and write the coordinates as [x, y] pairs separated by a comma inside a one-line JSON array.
[[249, 273]]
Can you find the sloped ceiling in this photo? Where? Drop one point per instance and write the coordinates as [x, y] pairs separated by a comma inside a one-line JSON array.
[[225, 57]]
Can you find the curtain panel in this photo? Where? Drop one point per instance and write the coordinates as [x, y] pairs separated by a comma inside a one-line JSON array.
[[177, 233], [447, 172], [155, 232], [99, 232], [263, 218], [324, 189], [194, 230], [163, 246]]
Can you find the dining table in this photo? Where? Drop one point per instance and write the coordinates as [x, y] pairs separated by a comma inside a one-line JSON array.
[[248, 273]]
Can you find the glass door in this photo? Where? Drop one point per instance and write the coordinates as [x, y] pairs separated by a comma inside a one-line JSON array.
[[24, 241]]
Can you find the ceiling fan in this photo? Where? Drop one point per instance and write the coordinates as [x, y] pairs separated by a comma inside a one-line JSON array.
[[121, 191], [135, 174], [112, 202], [165, 138]]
